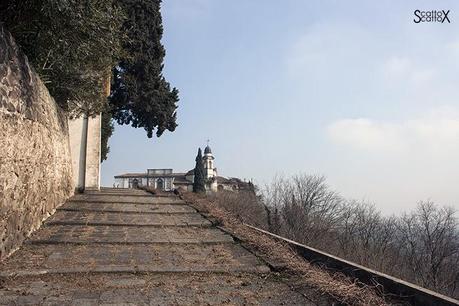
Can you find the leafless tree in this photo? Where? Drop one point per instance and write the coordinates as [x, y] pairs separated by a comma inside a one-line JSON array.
[[309, 210], [272, 199], [365, 236], [429, 241], [421, 246], [245, 205]]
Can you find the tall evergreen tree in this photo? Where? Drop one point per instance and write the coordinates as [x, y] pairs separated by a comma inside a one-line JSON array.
[[199, 180], [141, 96]]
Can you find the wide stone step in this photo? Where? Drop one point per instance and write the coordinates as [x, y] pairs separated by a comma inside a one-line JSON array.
[[82, 234], [148, 199], [128, 208], [123, 219], [155, 289], [118, 191], [165, 258], [140, 193]]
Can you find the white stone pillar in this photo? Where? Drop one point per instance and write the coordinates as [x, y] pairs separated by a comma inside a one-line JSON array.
[[77, 135], [85, 135], [92, 177]]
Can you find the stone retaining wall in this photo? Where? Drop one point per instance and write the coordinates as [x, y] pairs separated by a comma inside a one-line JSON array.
[[35, 162]]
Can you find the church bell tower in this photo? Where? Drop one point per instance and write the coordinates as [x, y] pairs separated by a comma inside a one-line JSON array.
[[208, 161]]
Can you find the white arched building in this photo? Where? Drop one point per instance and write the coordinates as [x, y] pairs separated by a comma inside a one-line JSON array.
[[167, 179]]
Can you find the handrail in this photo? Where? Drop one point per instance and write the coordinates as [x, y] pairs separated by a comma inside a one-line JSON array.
[[404, 290]]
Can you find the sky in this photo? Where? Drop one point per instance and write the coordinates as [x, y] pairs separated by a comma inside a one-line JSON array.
[[352, 90]]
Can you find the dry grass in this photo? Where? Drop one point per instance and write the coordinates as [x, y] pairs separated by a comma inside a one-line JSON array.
[[342, 288]]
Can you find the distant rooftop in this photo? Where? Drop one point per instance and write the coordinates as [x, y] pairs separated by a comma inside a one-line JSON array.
[[144, 174]]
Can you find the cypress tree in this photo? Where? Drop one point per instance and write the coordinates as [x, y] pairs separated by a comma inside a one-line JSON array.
[[141, 96], [199, 181]]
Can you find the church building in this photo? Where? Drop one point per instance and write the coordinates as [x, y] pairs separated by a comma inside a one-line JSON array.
[[168, 180]]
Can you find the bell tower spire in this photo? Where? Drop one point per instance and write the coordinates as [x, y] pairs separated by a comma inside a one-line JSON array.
[[208, 161]]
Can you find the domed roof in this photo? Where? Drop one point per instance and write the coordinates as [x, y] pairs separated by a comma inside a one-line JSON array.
[[207, 150]]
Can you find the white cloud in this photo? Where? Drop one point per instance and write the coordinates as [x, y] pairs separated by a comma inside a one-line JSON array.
[[406, 71], [398, 163], [367, 134], [435, 133]]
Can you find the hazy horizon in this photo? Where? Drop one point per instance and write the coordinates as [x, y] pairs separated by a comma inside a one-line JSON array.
[[353, 91]]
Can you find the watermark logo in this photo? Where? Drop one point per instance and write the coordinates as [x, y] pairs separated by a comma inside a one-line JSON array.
[[431, 16]]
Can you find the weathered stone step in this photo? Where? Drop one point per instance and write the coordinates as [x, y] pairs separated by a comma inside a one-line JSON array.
[[81, 234], [148, 199], [117, 190], [173, 258], [128, 208], [122, 219], [140, 193], [154, 289]]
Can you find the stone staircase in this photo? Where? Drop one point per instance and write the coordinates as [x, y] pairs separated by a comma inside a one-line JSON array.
[[127, 247]]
